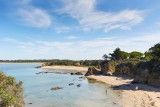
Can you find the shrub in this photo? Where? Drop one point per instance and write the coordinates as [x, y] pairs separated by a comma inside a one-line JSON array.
[[11, 92]]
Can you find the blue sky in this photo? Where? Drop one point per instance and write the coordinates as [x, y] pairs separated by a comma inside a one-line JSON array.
[[76, 29]]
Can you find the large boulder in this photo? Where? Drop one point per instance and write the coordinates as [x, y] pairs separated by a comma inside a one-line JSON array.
[[93, 71]]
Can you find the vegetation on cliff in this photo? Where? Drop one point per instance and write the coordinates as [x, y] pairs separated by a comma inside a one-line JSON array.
[[143, 67], [11, 92], [152, 54]]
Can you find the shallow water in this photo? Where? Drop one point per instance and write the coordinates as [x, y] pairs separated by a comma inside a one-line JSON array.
[[37, 88]]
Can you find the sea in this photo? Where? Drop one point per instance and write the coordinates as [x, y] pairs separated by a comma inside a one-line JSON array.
[[38, 93]]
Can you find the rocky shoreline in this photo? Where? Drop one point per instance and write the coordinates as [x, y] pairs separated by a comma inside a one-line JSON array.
[[137, 82], [123, 79]]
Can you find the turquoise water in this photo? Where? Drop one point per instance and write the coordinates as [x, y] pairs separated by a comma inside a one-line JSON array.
[[37, 88]]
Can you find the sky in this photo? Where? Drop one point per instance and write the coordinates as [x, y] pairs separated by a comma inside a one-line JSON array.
[[76, 29]]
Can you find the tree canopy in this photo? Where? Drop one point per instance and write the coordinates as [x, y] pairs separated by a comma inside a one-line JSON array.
[[152, 54], [155, 51], [135, 55], [117, 55]]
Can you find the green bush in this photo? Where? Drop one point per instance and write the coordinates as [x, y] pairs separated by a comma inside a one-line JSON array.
[[11, 92]]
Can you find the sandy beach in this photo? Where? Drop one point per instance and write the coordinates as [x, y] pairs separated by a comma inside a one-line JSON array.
[[74, 68], [132, 95]]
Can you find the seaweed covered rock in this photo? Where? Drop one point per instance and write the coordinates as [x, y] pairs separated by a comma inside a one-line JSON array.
[[93, 71], [11, 92]]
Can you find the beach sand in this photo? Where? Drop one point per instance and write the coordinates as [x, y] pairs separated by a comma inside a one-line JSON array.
[[132, 95], [73, 68]]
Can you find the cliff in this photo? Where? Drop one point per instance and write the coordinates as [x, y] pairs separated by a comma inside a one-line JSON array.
[[147, 72], [92, 71]]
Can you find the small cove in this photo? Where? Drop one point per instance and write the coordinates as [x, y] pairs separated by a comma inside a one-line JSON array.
[[37, 88]]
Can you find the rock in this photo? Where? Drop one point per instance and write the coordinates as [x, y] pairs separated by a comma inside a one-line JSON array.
[[158, 97], [38, 66], [51, 72], [93, 71], [82, 77], [154, 77], [78, 73], [79, 85], [134, 82], [108, 67], [56, 88], [72, 73], [71, 84]]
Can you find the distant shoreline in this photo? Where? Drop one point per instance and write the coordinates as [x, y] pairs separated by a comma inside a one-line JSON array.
[[59, 67], [144, 96], [21, 62]]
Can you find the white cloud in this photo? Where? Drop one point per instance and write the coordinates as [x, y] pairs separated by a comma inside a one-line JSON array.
[[87, 49], [62, 29], [11, 40], [71, 37], [90, 18], [35, 17], [60, 45]]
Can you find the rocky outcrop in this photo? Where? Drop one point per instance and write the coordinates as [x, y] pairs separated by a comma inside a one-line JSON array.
[[93, 71], [154, 77], [108, 67], [147, 72], [142, 71], [126, 68]]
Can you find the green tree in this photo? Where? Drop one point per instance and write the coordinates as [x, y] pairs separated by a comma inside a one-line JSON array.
[[118, 54], [148, 56], [155, 51], [135, 55], [105, 57], [124, 55]]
